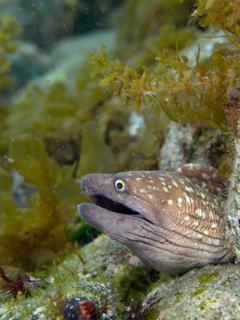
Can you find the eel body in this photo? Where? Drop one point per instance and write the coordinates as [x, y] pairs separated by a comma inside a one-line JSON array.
[[172, 221]]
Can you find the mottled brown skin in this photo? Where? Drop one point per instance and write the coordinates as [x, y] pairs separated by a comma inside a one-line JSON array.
[[170, 220]]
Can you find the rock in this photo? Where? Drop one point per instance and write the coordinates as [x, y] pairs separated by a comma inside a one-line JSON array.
[[21, 191], [207, 293], [103, 272], [185, 143], [207, 42]]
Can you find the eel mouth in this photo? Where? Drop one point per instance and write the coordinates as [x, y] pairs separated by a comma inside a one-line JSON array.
[[115, 207], [106, 206]]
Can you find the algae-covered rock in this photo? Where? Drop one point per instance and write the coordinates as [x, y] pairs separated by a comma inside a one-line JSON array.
[[98, 272], [208, 293], [121, 287]]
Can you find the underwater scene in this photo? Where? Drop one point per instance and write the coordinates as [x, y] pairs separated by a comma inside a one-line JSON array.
[[119, 159]]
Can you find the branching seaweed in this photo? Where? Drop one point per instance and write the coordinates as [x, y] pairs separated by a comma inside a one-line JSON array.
[[222, 15], [194, 93]]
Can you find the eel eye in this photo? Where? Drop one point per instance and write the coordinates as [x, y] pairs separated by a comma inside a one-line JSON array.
[[120, 185]]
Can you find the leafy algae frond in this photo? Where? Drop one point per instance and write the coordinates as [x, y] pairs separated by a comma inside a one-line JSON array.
[[38, 229]]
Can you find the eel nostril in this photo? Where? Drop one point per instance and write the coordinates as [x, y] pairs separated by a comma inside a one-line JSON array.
[[83, 183]]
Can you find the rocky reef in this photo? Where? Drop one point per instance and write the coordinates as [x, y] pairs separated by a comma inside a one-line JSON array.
[[159, 91]]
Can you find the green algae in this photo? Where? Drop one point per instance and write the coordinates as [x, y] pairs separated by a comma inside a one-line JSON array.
[[198, 292], [203, 305], [130, 283], [100, 271], [204, 280], [207, 278], [153, 315]]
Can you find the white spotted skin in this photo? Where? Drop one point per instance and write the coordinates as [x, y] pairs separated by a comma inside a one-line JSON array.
[[168, 191]]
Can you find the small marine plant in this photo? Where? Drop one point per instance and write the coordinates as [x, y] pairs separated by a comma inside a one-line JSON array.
[[22, 284]]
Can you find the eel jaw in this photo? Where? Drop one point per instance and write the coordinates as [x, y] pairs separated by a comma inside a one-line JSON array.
[[110, 217], [115, 225]]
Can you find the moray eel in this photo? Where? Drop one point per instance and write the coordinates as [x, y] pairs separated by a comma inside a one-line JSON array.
[[172, 221]]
